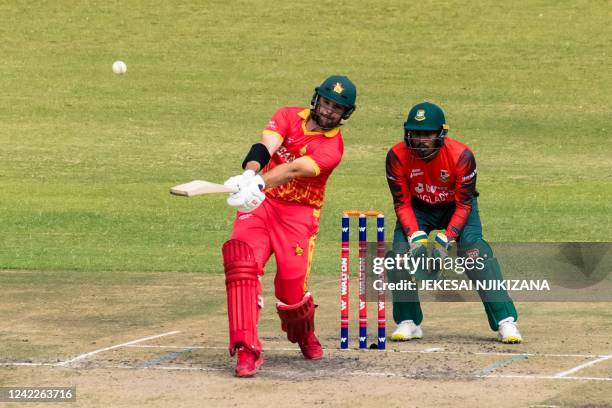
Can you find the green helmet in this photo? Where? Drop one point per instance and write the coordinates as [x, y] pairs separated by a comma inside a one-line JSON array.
[[339, 89], [426, 117]]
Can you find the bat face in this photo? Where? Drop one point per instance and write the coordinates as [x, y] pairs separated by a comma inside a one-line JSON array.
[[200, 187]]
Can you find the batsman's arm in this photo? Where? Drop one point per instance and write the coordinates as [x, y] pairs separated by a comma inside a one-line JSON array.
[[256, 157], [281, 174]]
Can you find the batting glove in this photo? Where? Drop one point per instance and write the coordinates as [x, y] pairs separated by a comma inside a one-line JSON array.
[[249, 196], [240, 181]]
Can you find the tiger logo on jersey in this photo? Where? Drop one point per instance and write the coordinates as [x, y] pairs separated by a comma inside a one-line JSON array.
[[444, 176]]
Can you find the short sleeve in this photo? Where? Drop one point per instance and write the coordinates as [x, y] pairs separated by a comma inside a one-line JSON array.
[[327, 156], [278, 125]]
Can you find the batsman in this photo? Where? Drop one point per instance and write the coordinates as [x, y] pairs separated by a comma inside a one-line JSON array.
[[432, 179], [279, 200]]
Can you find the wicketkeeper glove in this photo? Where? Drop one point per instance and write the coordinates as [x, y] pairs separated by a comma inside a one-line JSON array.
[[418, 243], [442, 246], [418, 249]]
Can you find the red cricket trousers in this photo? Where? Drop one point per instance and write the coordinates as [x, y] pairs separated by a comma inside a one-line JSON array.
[[287, 230]]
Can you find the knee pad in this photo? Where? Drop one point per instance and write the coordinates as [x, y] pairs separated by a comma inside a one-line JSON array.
[[297, 320], [239, 261], [243, 294]]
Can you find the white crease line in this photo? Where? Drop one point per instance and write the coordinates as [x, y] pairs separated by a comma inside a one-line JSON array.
[[384, 374], [186, 368], [174, 347], [364, 373], [548, 377], [437, 350], [581, 366], [91, 353], [460, 376], [354, 373], [167, 368]]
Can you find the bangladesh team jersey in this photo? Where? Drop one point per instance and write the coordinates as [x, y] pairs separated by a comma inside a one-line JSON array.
[[448, 178], [323, 149]]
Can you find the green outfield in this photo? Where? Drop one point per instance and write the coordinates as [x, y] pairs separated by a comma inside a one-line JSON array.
[[88, 157], [111, 285]]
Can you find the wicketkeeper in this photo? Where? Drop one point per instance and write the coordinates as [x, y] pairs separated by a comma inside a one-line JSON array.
[[432, 179], [278, 213]]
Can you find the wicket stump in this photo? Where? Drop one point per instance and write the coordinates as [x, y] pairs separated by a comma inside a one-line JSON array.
[[344, 278]]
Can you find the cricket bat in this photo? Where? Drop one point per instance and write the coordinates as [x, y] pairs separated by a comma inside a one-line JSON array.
[[199, 187]]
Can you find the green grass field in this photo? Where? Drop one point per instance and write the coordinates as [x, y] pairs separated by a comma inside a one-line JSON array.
[[90, 237], [87, 156]]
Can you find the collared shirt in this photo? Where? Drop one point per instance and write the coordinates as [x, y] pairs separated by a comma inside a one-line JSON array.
[[447, 178], [323, 149]]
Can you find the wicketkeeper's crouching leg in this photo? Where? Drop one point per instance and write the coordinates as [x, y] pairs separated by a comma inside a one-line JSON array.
[[243, 304], [498, 305], [297, 321]]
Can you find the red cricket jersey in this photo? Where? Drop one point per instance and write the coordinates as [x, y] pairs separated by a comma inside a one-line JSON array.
[[449, 177], [323, 149]]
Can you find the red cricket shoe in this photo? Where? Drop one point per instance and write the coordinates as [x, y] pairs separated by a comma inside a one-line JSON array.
[[247, 362], [311, 348]]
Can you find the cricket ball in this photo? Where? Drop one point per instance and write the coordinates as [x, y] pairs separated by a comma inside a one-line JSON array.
[[119, 67]]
